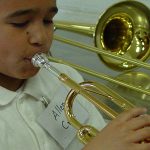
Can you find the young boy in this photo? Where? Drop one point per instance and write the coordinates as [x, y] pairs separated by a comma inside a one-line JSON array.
[[26, 28]]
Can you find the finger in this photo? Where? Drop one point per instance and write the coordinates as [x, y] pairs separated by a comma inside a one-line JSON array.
[[132, 113], [138, 122], [143, 146], [140, 135]]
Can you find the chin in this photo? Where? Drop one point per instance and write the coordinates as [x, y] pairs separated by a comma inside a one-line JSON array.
[[29, 74]]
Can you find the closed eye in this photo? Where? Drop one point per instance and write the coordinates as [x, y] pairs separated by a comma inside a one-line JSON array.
[[20, 24]]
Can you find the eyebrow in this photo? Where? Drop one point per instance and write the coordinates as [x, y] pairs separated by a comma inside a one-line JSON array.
[[28, 11]]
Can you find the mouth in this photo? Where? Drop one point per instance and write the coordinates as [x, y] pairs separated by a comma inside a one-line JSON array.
[[27, 58]]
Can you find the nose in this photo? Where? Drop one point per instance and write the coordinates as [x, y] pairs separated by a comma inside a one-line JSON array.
[[39, 35]]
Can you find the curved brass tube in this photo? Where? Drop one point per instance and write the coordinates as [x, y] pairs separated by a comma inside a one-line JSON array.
[[85, 132], [123, 29]]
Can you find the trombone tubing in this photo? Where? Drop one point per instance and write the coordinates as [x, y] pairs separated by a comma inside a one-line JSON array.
[[100, 51], [40, 60], [99, 75]]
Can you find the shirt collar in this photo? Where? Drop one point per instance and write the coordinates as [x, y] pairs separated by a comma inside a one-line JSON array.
[[43, 84], [6, 96]]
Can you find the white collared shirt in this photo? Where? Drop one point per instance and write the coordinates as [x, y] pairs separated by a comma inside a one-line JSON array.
[[19, 129]]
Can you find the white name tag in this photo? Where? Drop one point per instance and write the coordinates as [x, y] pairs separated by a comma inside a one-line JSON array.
[[53, 119]]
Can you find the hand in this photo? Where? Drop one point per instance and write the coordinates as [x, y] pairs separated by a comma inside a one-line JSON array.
[[124, 133]]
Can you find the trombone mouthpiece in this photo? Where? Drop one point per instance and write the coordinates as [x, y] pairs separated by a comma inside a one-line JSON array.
[[39, 60]]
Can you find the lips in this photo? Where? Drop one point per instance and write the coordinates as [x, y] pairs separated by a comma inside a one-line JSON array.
[[27, 60], [29, 57]]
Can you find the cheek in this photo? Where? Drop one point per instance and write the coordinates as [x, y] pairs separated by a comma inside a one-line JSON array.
[[10, 38], [9, 52], [11, 46]]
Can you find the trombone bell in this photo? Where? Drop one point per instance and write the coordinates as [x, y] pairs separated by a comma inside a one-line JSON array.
[[119, 31]]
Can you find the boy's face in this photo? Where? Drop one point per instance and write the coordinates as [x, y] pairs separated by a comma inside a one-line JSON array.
[[26, 28]]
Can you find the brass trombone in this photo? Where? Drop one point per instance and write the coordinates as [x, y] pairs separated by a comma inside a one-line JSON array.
[[85, 133], [122, 30], [122, 41], [129, 49]]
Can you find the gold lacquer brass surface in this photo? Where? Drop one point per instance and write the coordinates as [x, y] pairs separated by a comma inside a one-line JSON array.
[[90, 91], [94, 93], [138, 79], [124, 30]]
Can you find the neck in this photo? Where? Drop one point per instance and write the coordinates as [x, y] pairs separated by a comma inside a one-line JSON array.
[[10, 83]]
